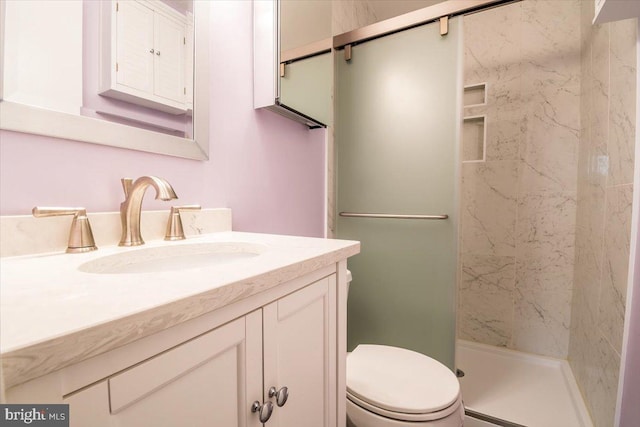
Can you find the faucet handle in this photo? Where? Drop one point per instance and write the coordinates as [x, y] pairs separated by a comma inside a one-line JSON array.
[[80, 236], [174, 226]]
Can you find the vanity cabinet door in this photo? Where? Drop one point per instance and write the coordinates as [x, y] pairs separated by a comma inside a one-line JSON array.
[[208, 381], [299, 353]]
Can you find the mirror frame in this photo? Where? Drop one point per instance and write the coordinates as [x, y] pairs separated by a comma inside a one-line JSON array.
[[27, 119]]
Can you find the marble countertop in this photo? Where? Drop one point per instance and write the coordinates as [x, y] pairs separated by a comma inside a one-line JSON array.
[[53, 315]]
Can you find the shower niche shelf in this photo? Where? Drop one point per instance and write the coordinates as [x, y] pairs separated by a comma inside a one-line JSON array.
[[474, 137], [475, 95]]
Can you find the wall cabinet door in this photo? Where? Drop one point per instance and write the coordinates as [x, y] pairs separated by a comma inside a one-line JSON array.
[[299, 353], [169, 67], [134, 44], [208, 381]]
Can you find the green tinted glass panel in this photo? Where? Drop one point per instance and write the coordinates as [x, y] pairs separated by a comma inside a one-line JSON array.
[[306, 87], [398, 121]]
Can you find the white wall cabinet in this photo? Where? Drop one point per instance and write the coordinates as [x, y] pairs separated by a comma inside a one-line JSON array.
[[214, 377], [144, 52]]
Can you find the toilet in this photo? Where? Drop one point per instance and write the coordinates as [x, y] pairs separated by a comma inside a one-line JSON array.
[[395, 387]]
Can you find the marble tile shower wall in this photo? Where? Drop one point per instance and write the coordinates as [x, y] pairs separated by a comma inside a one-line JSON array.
[[519, 205], [348, 15], [603, 222]]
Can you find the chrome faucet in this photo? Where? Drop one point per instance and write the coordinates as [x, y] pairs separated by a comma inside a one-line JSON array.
[[132, 206]]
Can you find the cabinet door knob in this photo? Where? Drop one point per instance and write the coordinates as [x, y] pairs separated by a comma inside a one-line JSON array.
[[158, 52], [281, 395], [151, 50], [264, 411]]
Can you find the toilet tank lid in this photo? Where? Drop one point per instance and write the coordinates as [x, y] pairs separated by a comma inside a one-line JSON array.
[[400, 380]]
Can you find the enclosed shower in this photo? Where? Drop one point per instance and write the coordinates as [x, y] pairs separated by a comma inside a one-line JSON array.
[[476, 166], [398, 106]]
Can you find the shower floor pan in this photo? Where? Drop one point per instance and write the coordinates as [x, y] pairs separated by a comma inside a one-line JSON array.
[[518, 389]]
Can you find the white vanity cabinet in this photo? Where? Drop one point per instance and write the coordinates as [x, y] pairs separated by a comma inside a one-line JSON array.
[[144, 51], [212, 378]]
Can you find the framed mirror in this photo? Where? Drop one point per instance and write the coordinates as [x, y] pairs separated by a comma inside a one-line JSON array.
[[293, 66], [76, 84]]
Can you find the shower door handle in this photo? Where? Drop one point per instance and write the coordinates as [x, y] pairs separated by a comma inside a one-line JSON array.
[[391, 216]]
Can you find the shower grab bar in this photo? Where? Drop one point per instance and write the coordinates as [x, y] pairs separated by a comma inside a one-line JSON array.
[[391, 216]]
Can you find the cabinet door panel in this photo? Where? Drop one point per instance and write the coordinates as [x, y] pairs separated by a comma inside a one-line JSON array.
[[169, 65], [189, 400], [90, 407], [203, 382], [133, 45], [299, 338]]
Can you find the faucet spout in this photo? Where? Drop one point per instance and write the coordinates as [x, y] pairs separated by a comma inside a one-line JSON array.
[[131, 208]]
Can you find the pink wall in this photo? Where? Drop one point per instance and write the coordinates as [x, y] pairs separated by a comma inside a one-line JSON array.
[[267, 169]]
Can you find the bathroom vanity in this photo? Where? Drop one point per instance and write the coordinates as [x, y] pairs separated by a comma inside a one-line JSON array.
[[246, 326]]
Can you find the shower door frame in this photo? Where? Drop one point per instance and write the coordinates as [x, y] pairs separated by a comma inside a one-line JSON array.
[[450, 8]]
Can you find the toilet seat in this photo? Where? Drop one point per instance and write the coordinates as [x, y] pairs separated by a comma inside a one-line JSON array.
[[399, 416], [401, 384]]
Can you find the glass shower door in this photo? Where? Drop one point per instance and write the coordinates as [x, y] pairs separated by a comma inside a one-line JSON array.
[[397, 131]]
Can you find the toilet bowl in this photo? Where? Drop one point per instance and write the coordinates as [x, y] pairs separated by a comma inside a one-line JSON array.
[[395, 387]]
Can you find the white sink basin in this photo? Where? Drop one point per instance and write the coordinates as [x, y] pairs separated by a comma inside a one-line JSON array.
[[173, 257]]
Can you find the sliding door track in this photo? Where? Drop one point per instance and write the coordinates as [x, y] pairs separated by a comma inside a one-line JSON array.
[[493, 420]]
